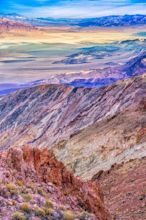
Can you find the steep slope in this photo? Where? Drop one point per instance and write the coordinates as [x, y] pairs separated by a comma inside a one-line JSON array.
[[34, 183], [117, 136], [124, 189], [45, 115]]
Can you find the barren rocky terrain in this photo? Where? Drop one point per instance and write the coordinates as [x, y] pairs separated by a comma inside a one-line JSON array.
[[34, 185], [124, 187], [97, 132]]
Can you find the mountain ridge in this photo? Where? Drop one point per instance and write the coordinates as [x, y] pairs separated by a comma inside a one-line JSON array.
[[104, 21]]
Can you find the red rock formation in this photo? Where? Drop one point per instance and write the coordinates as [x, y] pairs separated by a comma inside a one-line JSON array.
[[41, 165]]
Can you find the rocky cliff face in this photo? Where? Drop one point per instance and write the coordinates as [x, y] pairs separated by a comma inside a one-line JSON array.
[[29, 177]]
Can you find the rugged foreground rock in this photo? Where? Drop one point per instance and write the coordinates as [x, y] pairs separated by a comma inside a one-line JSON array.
[[34, 185]]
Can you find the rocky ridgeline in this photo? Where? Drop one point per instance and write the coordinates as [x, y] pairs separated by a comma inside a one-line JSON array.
[[78, 123], [34, 185]]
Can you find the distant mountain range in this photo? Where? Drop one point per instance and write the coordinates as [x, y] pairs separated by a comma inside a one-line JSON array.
[[8, 24], [106, 21], [109, 75]]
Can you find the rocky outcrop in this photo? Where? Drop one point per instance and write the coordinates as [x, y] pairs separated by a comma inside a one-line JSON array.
[[39, 166]]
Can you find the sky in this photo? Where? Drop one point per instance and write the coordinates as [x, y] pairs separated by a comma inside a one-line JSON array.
[[72, 8]]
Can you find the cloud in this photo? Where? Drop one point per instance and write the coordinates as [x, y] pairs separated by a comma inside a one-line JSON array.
[[85, 10], [76, 8]]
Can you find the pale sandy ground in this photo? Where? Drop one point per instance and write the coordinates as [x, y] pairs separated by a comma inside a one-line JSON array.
[[71, 36]]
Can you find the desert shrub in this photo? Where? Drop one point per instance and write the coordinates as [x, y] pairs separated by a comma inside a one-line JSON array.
[[48, 211], [39, 211], [12, 188], [18, 216], [14, 202], [27, 197], [68, 215], [20, 183], [84, 215], [32, 187], [25, 207], [67, 193], [63, 208], [49, 204], [41, 192]]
